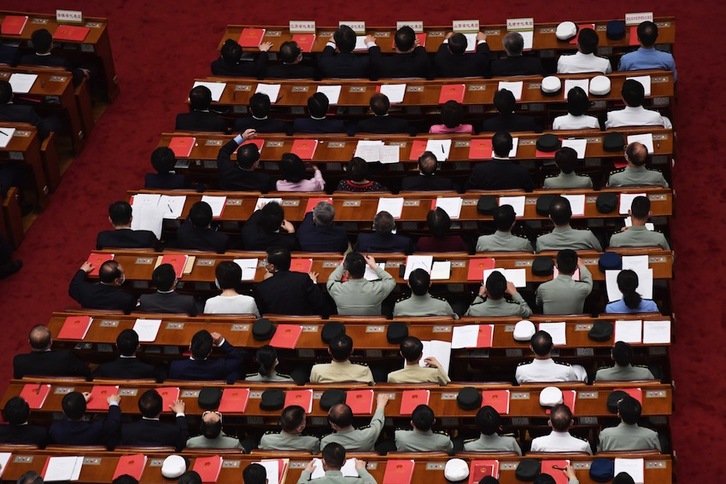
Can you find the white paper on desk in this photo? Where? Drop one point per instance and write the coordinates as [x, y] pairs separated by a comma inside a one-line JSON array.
[[146, 200], [575, 276], [440, 148], [369, 150], [645, 138], [528, 37], [63, 469], [348, 469], [513, 151], [517, 204], [441, 270], [332, 92], [465, 336], [470, 42], [414, 262], [4, 458], [645, 284], [6, 134], [394, 92], [173, 205], [518, 277], [577, 204], [577, 144], [262, 201], [637, 263], [148, 218], [272, 91], [450, 205], [394, 206], [217, 88], [629, 331], [22, 83], [514, 86], [656, 332], [582, 83], [441, 350], [626, 200], [272, 467], [389, 154], [558, 331], [370, 274], [634, 467], [217, 204], [629, 223], [360, 43], [147, 329], [249, 268], [644, 80]]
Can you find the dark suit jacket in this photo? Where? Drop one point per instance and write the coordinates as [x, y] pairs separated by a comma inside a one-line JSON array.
[[344, 66], [509, 123], [375, 242], [499, 175], [322, 126], [155, 433], [94, 295], [228, 368], [129, 368], [190, 237], [83, 432], [255, 238], [321, 238], [127, 239], [290, 71], [262, 125], [427, 183], [290, 293], [17, 113], [232, 177], [24, 434], [475, 64], [167, 302], [383, 125], [9, 55], [53, 61], [49, 363], [396, 66], [167, 181], [200, 121], [517, 66], [245, 68]]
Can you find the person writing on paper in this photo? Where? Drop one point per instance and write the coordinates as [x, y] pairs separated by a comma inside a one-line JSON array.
[[422, 438], [333, 461], [259, 120], [647, 56], [319, 233], [294, 176], [489, 423], [242, 175], [411, 349], [337, 59], [638, 235], [508, 120], [543, 369], [149, 431], [584, 60], [357, 180], [77, 429], [383, 238], [623, 370], [577, 106], [104, 294], [127, 366], [560, 440], [452, 118], [439, 224], [632, 302], [500, 173], [16, 429], [563, 236], [267, 227], [636, 174], [266, 358], [291, 64], [230, 63], [566, 161], [122, 236], [19, 113], [563, 294], [502, 240], [634, 114], [200, 367], [409, 59], [498, 297], [254, 473], [212, 436], [318, 122], [363, 439], [292, 423], [427, 179], [201, 117], [341, 369], [227, 277], [166, 299], [381, 122], [628, 435], [197, 233], [451, 60], [163, 160], [515, 64]]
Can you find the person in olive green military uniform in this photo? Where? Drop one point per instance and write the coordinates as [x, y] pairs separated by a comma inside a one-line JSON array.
[[563, 236], [413, 372], [420, 302], [622, 355], [267, 359], [636, 174], [637, 235], [491, 300], [292, 422], [333, 461], [628, 435], [422, 438], [341, 369], [502, 240], [361, 439], [566, 160], [489, 423], [564, 295], [358, 296]]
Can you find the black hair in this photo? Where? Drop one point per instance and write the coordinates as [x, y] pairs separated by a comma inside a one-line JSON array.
[[622, 353], [541, 343], [577, 101], [411, 348], [201, 214], [561, 417], [496, 285], [228, 274], [647, 33], [292, 167], [588, 40], [633, 93], [405, 38], [289, 52], [266, 357], [566, 159], [341, 347], [488, 420], [74, 405], [318, 104], [502, 144], [628, 285], [120, 213], [640, 208], [200, 98], [163, 277], [150, 403], [357, 169], [452, 114], [16, 411], [380, 104], [560, 211], [163, 159], [355, 264], [292, 417], [438, 222], [254, 474], [231, 52], [260, 104], [127, 342], [423, 417], [202, 344], [42, 40], [345, 39], [6, 91], [629, 410], [504, 217], [458, 43], [279, 257], [419, 280], [567, 261], [504, 101]]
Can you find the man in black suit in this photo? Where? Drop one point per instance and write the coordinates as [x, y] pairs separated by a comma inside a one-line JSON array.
[[500, 173], [9, 54], [230, 61], [43, 43], [242, 175], [318, 232], [381, 122], [149, 431], [338, 60], [515, 64], [120, 215], [104, 294], [508, 120], [201, 367], [127, 366], [196, 232], [259, 111], [318, 122], [286, 292], [451, 60], [201, 118], [17, 430], [17, 113], [74, 429], [382, 239], [166, 299], [409, 59], [163, 160], [267, 227], [42, 361], [291, 56], [426, 180]]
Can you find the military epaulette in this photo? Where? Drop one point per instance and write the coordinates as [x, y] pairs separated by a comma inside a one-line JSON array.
[[617, 171], [525, 363], [641, 366], [470, 440], [251, 374], [441, 432], [361, 363], [271, 432], [439, 298], [403, 299], [331, 433], [282, 375], [561, 363], [363, 427]]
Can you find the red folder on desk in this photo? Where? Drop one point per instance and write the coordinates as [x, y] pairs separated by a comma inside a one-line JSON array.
[[178, 261], [169, 395], [633, 38], [417, 149], [182, 145], [360, 401], [304, 148], [251, 37], [304, 398], [410, 399], [257, 142], [35, 395], [132, 465], [569, 398], [485, 338], [304, 41], [75, 327], [301, 265], [398, 471], [13, 24], [477, 266], [479, 469], [555, 468], [99, 394], [312, 203], [286, 336], [234, 400], [480, 149], [452, 92], [96, 261], [71, 32], [636, 393], [420, 37], [208, 467], [573, 40], [497, 399]]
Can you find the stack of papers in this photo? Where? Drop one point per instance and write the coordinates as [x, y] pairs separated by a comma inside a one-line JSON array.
[[370, 274], [217, 89], [375, 150], [518, 277], [656, 332], [394, 206], [394, 92], [148, 214], [62, 468], [332, 92], [441, 270], [441, 350], [174, 205], [22, 83], [348, 469], [272, 91], [6, 134], [450, 205], [414, 262]]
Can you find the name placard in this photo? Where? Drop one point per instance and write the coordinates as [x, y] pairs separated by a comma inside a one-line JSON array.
[[358, 26], [465, 26], [518, 24], [302, 26], [416, 25], [638, 17], [69, 16]]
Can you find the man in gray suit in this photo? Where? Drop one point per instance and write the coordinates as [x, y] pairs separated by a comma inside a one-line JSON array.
[[502, 240], [489, 423], [635, 174], [358, 296], [563, 236], [623, 370], [290, 437], [166, 299], [333, 461], [566, 160], [422, 438], [420, 302], [637, 235], [363, 439], [628, 435], [564, 295], [491, 299]]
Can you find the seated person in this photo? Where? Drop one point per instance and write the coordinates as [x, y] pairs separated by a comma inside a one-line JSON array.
[[18, 113], [628, 435], [292, 424], [266, 358], [638, 235], [242, 175], [254, 474], [163, 160], [502, 240], [291, 65], [294, 176], [439, 224], [543, 369], [122, 236], [341, 369], [337, 59], [452, 117], [318, 122], [584, 60], [427, 179], [632, 302], [515, 64], [357, 169], [563, 294], [382, 122], [422, 438], [200, 367], [408, 60], [563, 236], [76, 429], [647, 56], [500, 173], [566, 160], [200, 118], [623, 370], [104, 294], [42, 41], [127, 366], [411, 349], [452, 60], [259, 120], [489, 424], [634, 114], [383, 238], [17, 430], [149, 431], [499, 297], [9, 53], [230, 63], [420, 302], [636, 174], [212, 436], [319, 233], [333, 461], [560, 440], [267, 227], [507, 120], [166, 299], [362, 439], [227, 277], [577, 106]]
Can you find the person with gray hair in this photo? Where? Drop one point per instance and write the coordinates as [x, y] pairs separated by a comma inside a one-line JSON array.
[[515, 64], [383, 238], [318, 232]]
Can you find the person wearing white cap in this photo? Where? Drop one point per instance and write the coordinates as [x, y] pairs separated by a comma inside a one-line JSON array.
[[584, 60], [560, 440], [543, 368]]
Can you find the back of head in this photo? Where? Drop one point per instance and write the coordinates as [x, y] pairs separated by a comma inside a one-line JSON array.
[[452, 114], [502, 144], [150, 404], [247, 155], [292, 417], [628, 285], [633, 93], [544, 479], [32, 477], [567, 261], [163, 277], [190, 477], [292, 167], [577, 101], [629, 410], [74, 405], [334, 455], [640, 208], [380, 104], [623, 478], [588, 40], [271, 217], [127, 342], [561, 417], [560, 211], [541, 343], [120, 213], [427, 163], [279, 257], [637, 153], [622, 353], [228, 274], [341, 347], [254, 474], [419, 280], [496, 285], [163, 159], [231, 52], [289, 52], [6, 92], [109, 272], [513, 43], [260, 104], [318, 105], [504, 101], [423, 418], [488, 420], [438, 222], [566, 159], [344, 39], [489, 480], [323, 213], [405, 39], [125, 479], [211, 425], [647, 33], [200, 98], [504, 217], [458, 43], [42, 41], [355, 264], [383, 222], [200, 215], [39, 337], [357, 169], [341, 415], [266, 357], [202, 344], [411, 348], [16, 411]]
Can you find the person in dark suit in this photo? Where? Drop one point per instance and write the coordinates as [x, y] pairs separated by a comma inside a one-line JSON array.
[[291, 66], [338, 60], [43, 44], [500, 173], [451, 60], [149, 431], [259, 111], [75, 430], [318, 122], [163, 160], [17, 113], [242, 175], [427, 180], [267, 227], [286, 292], [127, 366], [104, 294], [196, 232], [200, 367], [318, 232], [9, 54], [441, 239], [200, 118], [42, 361], [508, 120], [515, 64], [381, 122], [17, 430], [409, 59], [383, 239], [230, 63], [120, 216], [166, 299]]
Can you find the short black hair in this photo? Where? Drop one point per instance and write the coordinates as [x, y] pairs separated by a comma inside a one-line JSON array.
[[334, 455], [202, 344], [341, 347], [544, 479], [228, 274], [640, 208], [163, 277], [405, 38], [163, 159], [318, 104], [458, 43], [127, 342], [513, 43], [109, 271], [588, 40], [411, 348], [42, 40], [504, 101], [561, 417], [560, 211], [260, 104], [384, 223], [541, 343], [355, 264], [292, 417], [16, 411], [647, 33], [271, 217], [292, 168], [341, 415], [633, 93], [628, 285], [496, 285], [345, 39], [577, 101], [247, 155], [423, 417], [200, 98], [439, 222], [201, 214], [452, 114], [622, 353], [254, 474], [74, 405], [266, 356], [419, 280], [125, 479], [150, 403], [567, 261], [502, 144], [629, 410], [488, 420], [566, 159], [357, 169], [6, 91], [289, 52], [279, 257], [380, 104], [210, 430], [504, 217], [231, 52], [120, 213], [190, 477]]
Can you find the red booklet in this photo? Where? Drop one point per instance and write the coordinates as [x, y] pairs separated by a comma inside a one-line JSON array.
[[286, 336], [573, 40], [257, 142], [569, 397], [71, 32], [633, 38], [304, 398], [132, 465], [251, 37], [234, 400], [399, 471], [360, 401], [420, 36], [301, 265], [410, 399], [96, 261], [497, 399], [480, 149], [208, 467], [99, 394], [636, 393], [485, 339], [544, 154], [479, 469], [75, 327], [182, 145], [555, 468], [417, 149], [169, 396], [312, 203], [13, 24], [304, 148], [35, 394], [176, 260], [304, 41], [452, 92], [477, 266]]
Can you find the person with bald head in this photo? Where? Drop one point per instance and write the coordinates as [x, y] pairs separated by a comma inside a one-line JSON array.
[[106, 293], [515, 64], [636, 174], [212, 436], [427, 179], [42, 361], [340, 417]]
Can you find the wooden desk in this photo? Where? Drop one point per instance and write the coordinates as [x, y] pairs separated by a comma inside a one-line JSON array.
[[25, 146]]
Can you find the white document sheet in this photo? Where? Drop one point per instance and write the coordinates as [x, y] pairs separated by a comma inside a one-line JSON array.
[[470, 42], [645, 284], [577, 144], [360, 43], [390, 154], [464, 336], [518, 277], [262, 201], [249, 268], [272, 91], [272, 467], [513, 151], [450, 205], [369, 150], [644, 80], [656, 332], [331, 91], [626, 200], [441, 350], [558, 331], [635, 263], [22, 83], [634, 467], [394, 206], [514, 86], [528, 37], [646, 139], [63, 469], [173, 205], [370, 274], [146, 200], [577, 204], [440, 148], [6, 134], [414, 262], [217, 88], [348, 469], [217, 204], [629, 223], [441, 270], [394, 92], [517, 204], [147, 329], [629, 331], [148, 218], [570, 83]]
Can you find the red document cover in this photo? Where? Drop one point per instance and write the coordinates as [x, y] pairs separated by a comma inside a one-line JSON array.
[[417, 149], [234, 400], [480, 149], [569, 397], [410, 399], [312, 202], [633, 39], [208, 467], [398, 471], [360, 401], [544, 154], [176, 260], [182, 145], [132, 465], [251, 37], [420, 36], [636, 393], [479, 469], [13, 24], [497, 399], [485, 339], [286, 336], [477, 266], [301, 265], [71, 32], [99, 394], [304, 41], [304, 148], [304, 398], [169, 395], [573, 40], [452, 92], [35, 395], [555, 468], [96, 261], [75, 327], [257, 142]]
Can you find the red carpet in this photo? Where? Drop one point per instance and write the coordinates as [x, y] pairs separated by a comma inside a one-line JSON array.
[[161, 45]]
